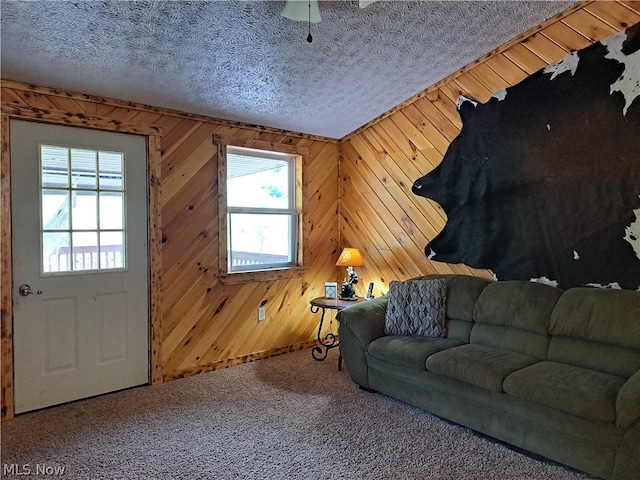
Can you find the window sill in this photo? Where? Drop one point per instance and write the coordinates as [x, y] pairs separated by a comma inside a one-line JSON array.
[[237, 278]]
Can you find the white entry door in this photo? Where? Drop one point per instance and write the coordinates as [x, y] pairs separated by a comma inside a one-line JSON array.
[[80, 274]]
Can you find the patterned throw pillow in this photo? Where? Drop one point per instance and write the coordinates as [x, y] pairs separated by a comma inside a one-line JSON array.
[[416, 307]]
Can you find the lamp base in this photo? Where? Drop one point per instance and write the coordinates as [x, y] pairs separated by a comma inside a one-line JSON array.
[[348, 293], [349, 299]]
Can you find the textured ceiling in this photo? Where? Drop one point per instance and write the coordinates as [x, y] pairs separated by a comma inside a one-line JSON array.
[[242, 61]]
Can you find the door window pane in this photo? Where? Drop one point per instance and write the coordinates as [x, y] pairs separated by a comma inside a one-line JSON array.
[[83, 168], [55, 210], [56, 252], [54, 163], [111, 250], [84, 250], [84, 210], [111, 168], [111, 210]]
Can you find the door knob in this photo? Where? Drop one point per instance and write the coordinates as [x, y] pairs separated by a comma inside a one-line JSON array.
[[25, 290]]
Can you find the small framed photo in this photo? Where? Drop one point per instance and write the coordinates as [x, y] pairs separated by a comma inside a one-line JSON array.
[[331, 290]]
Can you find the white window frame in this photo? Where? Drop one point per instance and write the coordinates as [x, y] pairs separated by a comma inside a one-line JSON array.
[[289, 212], [71, 189], [298, 156]]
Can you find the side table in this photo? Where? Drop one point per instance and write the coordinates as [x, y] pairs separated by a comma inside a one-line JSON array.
[[329, 341]]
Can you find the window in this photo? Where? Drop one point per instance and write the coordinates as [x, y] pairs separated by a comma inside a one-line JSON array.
[[260, 207], [82, 215], [261, 212]]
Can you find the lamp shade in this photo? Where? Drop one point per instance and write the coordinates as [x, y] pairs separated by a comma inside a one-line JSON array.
[[350, 257]]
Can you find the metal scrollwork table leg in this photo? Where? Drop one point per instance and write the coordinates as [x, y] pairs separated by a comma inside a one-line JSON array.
[[327, 342]]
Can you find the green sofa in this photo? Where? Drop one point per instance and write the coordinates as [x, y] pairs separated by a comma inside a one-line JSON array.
[[554, 372]]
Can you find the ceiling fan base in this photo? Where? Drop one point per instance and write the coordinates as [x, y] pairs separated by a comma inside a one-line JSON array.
[[302, 11]]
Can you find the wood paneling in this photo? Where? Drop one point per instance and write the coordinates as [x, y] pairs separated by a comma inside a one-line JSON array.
[[6, 326], [198, 323], [155, 258], [380, 161]]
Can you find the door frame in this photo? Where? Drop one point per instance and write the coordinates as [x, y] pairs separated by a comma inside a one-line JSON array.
[[154, 228]]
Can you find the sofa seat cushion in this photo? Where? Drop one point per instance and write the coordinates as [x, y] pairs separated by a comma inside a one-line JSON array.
[[408, 351], [579, 391], [482, 366]]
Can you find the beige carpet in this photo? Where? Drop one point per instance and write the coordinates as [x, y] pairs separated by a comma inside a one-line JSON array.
[[288, 417]]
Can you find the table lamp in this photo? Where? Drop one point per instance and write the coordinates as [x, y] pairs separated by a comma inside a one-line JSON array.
[[350, 257]]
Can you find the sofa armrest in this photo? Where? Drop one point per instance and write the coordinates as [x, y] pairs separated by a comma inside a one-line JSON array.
[[628, 402], [366, 319], [360, 325], [627, 462]]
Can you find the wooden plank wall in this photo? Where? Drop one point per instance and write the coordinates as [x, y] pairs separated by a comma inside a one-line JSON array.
[[380, 161], [204, 323]]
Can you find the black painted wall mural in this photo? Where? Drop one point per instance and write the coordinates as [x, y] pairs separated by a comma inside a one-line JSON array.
[[543, 181]]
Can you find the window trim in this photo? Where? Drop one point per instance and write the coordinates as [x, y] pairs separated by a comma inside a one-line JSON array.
[[262, 274]]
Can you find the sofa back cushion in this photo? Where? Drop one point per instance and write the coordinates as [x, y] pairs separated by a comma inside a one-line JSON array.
[[597, 329], [462, 293], [514, 316]]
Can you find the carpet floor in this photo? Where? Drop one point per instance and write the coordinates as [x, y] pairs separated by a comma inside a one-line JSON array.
[[287, 417]]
